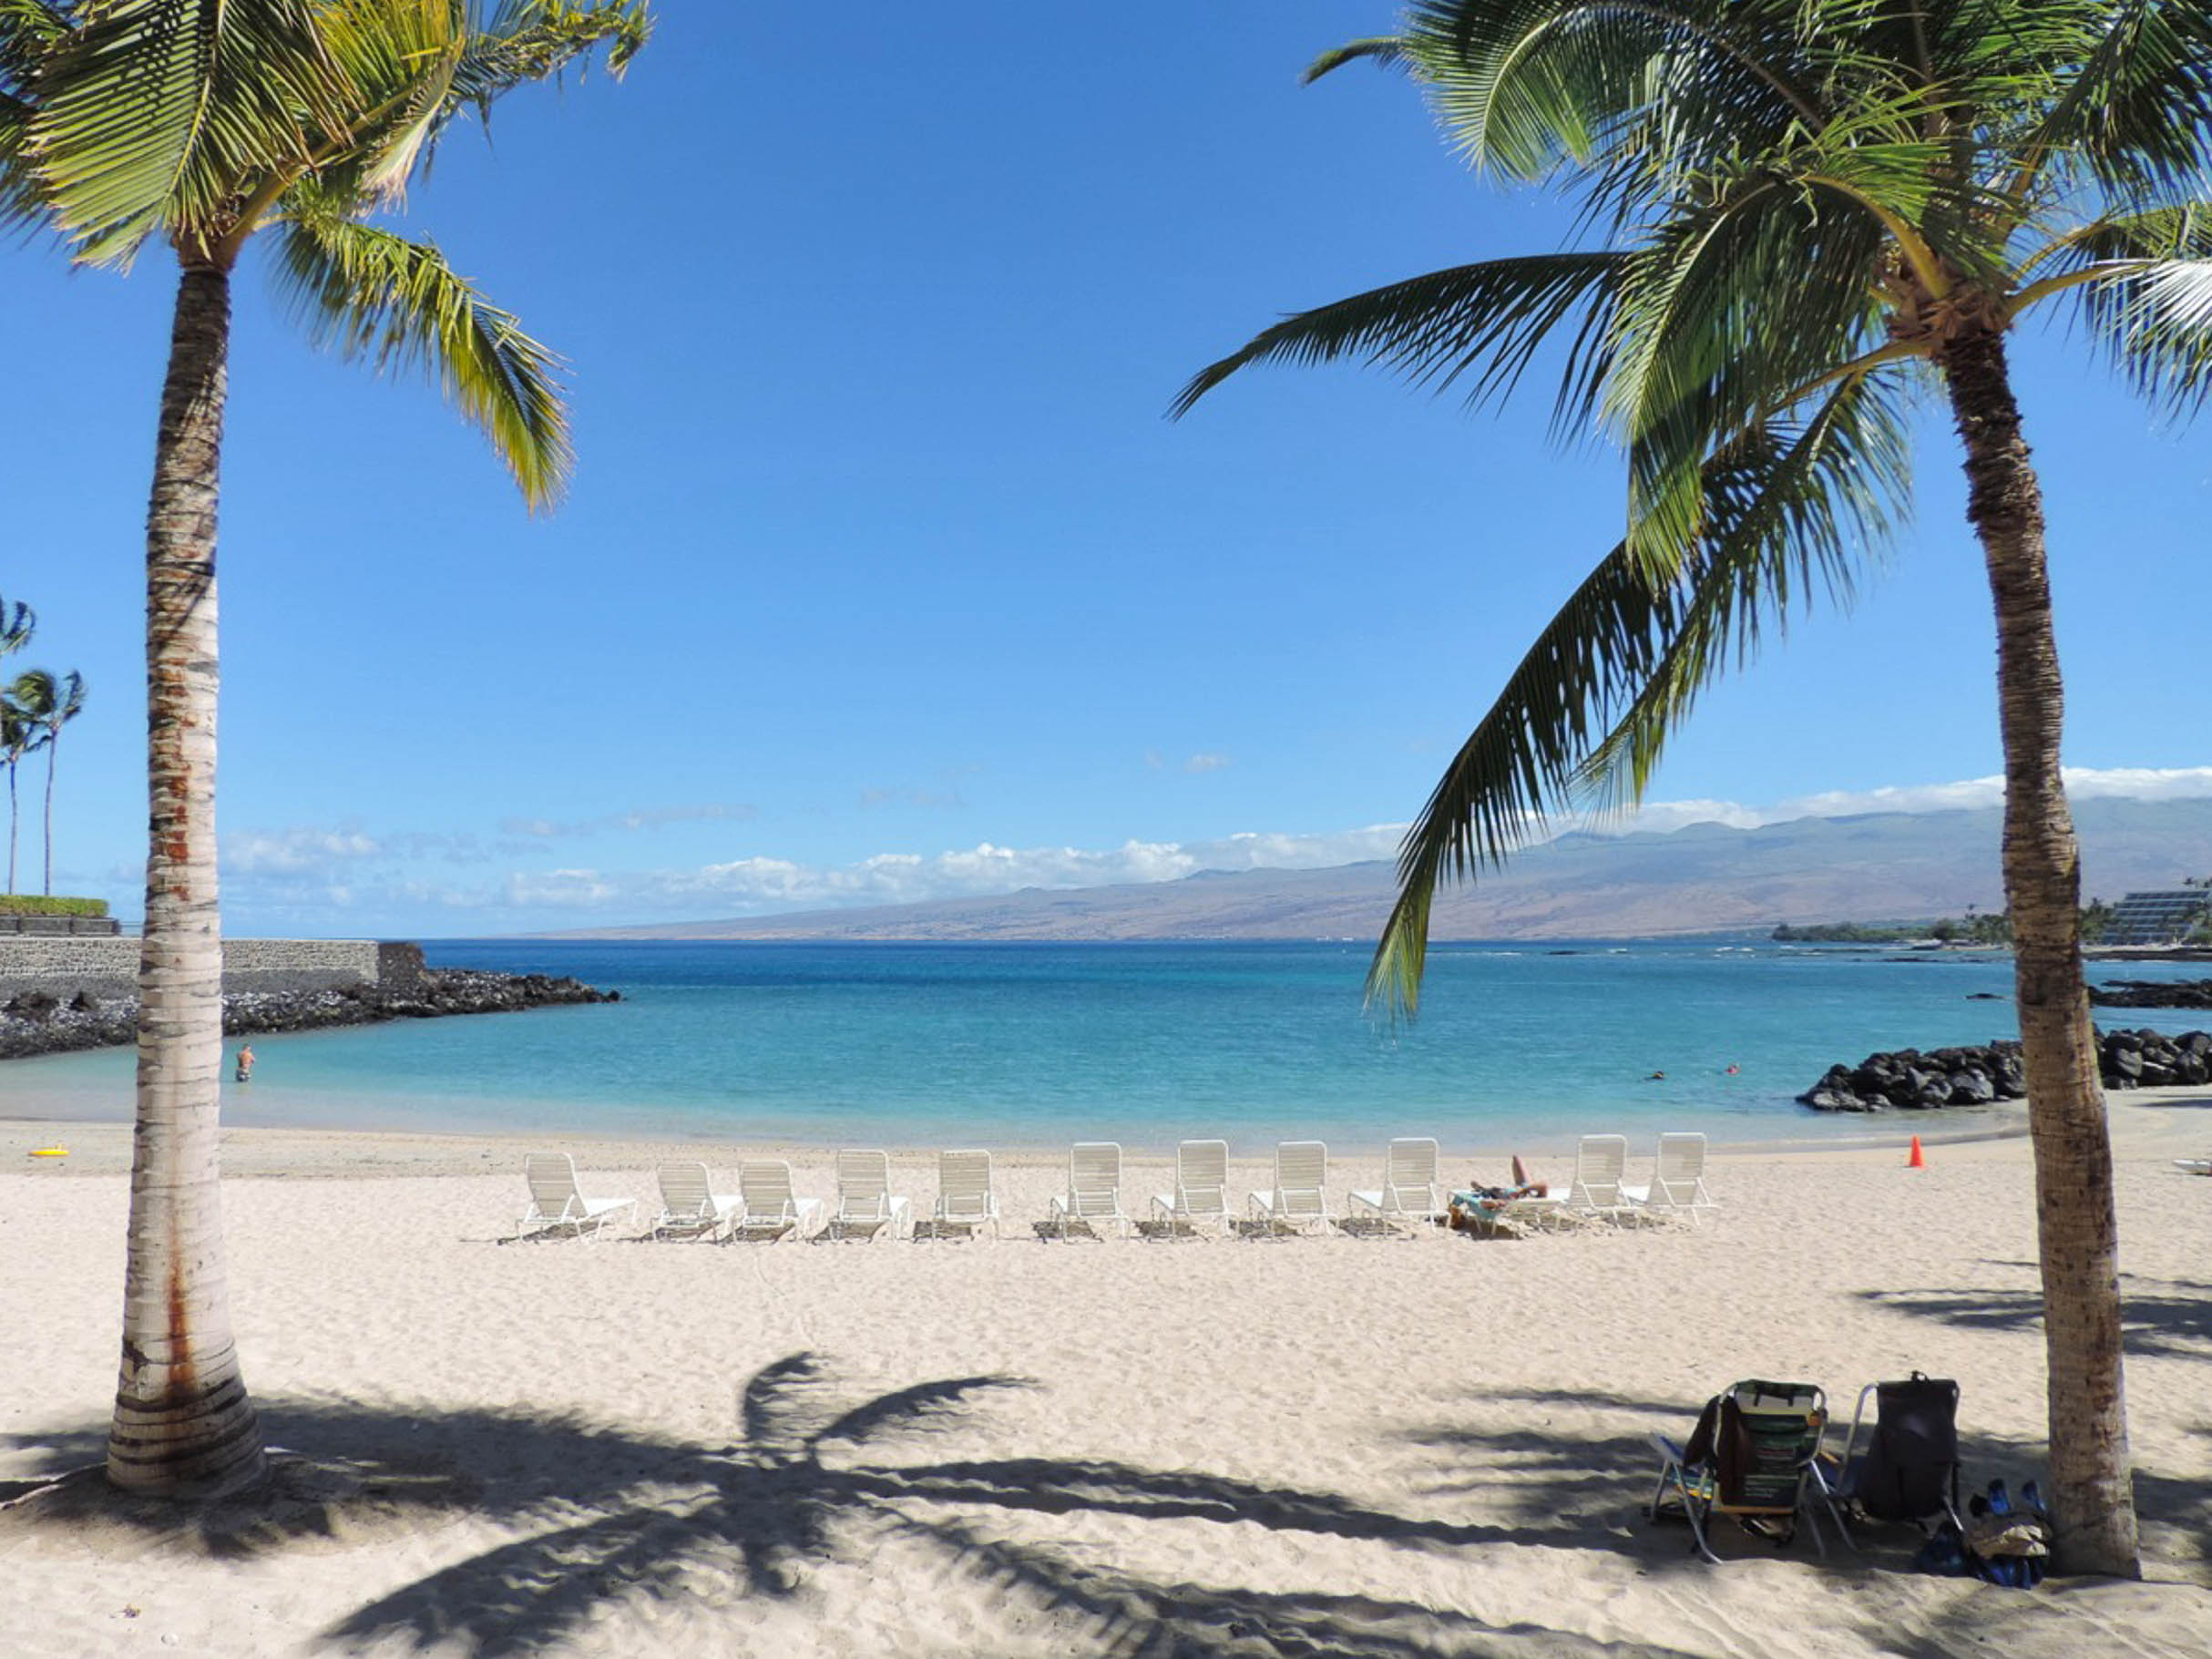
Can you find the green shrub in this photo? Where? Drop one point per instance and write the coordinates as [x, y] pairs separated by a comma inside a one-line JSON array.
[[23, 904]]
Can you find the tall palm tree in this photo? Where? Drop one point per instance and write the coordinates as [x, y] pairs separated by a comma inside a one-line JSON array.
[[204, 123], [49, 702], [18, 622], [19, 737], [1799, 213]]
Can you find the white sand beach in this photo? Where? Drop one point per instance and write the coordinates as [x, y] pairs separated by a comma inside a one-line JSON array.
[[1315, 1445]]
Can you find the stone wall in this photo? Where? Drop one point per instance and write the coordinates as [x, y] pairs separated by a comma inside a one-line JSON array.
[[104, 969]]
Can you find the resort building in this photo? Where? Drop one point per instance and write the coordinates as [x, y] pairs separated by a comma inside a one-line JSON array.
[[2157, 917]]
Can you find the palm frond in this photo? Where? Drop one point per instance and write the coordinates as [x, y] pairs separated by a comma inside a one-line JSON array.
[[372, 293], [1480, 323], [1523, 85], [529, 40], [1727, 310], [1385, 51], [2135, 103], [162, 113], [2156, 317], [1519, 763], [1588, 707], [1793, 509], [30, 30]]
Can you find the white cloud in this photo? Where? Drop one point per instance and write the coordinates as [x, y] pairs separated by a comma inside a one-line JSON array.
[[294, 851], [1205, 762], [635, 818], [338, 869]]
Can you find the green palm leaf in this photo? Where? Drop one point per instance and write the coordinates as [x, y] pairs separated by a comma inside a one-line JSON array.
[[372, 293], [157, 113], [1586, 712], [1480, 324]]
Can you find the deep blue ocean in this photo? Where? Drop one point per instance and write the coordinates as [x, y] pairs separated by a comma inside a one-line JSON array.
[[1034, 1045]]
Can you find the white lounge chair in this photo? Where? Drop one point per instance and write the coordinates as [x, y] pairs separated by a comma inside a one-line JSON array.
[[2193, 1166], [1599, 1163], [966, 1197], [866, 1207], [1298, 1201], [767, 1210], [1409, 1197], [1093, 1198], [1678, 1179], [688, 1207], [556, 1206], [1200, 1198]]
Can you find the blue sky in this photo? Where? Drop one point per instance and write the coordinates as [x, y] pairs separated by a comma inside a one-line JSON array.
[[884, 575]]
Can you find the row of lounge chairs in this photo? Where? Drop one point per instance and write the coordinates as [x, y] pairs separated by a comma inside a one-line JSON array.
[[764, 1207]]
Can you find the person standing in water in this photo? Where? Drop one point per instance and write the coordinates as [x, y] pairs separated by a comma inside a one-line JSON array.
[[245, 1063]]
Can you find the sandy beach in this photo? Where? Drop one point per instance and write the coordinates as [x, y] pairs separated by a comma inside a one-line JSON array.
[[1434, 1446]]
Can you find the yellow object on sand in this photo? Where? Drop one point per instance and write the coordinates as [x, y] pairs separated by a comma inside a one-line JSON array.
[[50, 1152]]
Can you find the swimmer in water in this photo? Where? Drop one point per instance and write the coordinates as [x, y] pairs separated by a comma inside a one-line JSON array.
[[1731, 1071], [1656, 1077], [245, 1063]]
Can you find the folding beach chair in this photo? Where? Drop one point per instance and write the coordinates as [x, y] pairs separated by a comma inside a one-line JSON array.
[[1751, 1458], [767, 1208], [966, 1198], [1408, 1197], [1200, 1198], [866, 1207], [1298, 1201], [688, 1207], [1678, 1179], [1907, 1466], [556, 1206], [1599, 1162], [1093, 1198]]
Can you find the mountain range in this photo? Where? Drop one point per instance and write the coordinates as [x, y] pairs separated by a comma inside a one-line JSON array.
[[1704, 878]]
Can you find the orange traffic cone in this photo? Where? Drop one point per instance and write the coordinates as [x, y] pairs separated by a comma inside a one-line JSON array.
[[1918, 1160]]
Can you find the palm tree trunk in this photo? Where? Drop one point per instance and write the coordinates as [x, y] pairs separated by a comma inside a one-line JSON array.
[[183, 1423], [53, 742], [2092, 1501], [10, 829]]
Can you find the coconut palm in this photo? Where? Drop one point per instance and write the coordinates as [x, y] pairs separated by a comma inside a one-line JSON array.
[[49, 702], [19, 737], [1800, 213], [203, 124]]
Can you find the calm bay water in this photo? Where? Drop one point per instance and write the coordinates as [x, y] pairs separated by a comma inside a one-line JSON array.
[[919, 1045]]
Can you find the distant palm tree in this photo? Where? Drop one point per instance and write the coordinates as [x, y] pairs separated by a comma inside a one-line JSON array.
[[1808, 210], [50, 703], [18, 622], [204, 123], [19, 737]]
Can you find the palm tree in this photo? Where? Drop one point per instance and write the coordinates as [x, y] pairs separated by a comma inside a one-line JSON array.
[[202, 123], [1801, 212], [19, 737], [49, 702], [18, 622]]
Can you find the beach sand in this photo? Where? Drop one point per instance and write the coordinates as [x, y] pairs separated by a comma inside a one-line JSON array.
[[1419, 1446]]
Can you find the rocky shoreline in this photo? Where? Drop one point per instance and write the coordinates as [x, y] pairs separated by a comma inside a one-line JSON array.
[[2153, 994], [34, 1022], [1907, 1079]]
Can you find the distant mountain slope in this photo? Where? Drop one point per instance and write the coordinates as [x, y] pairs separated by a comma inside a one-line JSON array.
[[1702, 878]]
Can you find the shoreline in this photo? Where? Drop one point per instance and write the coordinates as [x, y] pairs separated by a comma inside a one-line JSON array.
[[2147, 1124]]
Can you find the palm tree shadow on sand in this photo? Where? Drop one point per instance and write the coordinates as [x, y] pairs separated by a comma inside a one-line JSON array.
[[628, 1519]]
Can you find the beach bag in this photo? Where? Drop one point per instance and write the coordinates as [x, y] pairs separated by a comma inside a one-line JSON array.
[[2005, 1544]]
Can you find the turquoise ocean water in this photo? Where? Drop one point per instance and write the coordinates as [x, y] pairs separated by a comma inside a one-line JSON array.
[[1014, 1045]]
